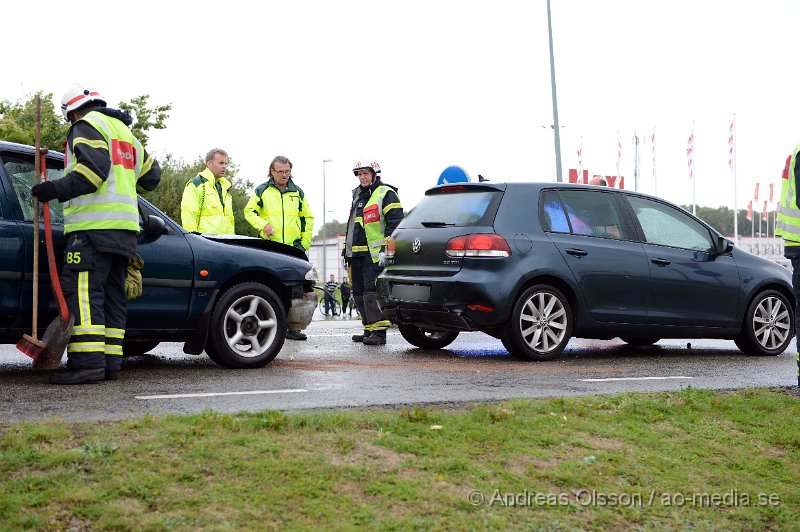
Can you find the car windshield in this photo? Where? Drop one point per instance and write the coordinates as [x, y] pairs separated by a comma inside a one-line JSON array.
[[21, 172], [461, 209]]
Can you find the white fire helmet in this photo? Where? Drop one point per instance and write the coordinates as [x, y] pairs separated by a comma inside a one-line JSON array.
[[366, 162], [77, 96]]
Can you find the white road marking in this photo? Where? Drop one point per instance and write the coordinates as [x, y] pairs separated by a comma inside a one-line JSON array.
[[185, 395], [614, 379]]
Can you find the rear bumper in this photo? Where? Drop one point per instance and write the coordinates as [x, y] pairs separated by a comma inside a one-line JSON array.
[[453, 305]]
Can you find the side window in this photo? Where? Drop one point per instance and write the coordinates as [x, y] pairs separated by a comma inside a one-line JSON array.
[[21, 172], [667, 226], [589, 212], [553, 217]]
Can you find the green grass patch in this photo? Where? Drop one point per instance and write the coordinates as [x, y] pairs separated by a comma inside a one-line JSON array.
[[693, 459]]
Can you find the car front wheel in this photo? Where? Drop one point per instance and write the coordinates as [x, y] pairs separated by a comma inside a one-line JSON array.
[[768, 325], [248, 327], [426, 339], [541, 324]]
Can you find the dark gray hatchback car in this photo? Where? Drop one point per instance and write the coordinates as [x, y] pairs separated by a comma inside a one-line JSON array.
[[535, 264]]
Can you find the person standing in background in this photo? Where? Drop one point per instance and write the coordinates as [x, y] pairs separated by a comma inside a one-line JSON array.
[[279, 211], [207, 205], [374, 213]]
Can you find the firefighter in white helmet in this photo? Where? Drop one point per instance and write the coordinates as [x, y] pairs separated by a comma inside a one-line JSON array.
[[105, 168], [374, 213]]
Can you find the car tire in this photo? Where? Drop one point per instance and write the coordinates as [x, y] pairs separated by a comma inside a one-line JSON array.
[[248, 327], [133, 348], [426, 339], [541, 324], [768, 325], [644, 341]]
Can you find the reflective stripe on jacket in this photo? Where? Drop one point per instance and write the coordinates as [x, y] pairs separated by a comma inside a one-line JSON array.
[[201, 208], [374, 220], [114, 204], [287, 212], [788, 225]]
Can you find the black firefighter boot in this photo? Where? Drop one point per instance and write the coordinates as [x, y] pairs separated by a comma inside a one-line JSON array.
[[376, 338], [360, 307]]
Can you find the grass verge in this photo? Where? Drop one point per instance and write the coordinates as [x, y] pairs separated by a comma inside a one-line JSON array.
[[693, 459]]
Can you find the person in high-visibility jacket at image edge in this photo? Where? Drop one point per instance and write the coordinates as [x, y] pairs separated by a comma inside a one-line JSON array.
[[788, 227]]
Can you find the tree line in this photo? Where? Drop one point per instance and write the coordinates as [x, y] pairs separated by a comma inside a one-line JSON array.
[[17, 124]]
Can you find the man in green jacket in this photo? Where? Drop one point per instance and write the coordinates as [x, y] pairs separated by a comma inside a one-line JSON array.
[[207, 205], [279, 211]]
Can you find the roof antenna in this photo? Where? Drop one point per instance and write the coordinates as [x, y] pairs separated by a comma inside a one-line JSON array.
[[481, 179]]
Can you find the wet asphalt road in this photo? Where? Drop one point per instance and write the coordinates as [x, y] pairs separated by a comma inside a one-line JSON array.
[[330, 371]]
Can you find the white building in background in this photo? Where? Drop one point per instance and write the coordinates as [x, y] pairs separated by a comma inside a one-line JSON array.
[[332, 263]]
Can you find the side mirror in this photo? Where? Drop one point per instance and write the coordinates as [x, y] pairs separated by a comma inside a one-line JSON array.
[[723, 245], [155, 225]]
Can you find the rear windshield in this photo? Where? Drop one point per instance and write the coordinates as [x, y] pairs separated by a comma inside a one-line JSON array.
[[462, 209]]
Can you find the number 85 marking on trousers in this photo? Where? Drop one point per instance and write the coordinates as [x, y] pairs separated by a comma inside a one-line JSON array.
[[73, 257]]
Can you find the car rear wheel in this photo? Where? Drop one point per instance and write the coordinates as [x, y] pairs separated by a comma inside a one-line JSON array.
[[541, 324], [639, 341], [768, 325], [248, 327], [132, 348], [426, 339]]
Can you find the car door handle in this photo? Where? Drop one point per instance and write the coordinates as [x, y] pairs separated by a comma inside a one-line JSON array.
[[577, 252], [660, 262]]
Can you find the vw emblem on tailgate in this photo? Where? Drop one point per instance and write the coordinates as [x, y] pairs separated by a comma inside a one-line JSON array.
[[416, 245]]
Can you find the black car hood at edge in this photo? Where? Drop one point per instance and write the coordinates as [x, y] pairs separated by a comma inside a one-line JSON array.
[[257, 243]]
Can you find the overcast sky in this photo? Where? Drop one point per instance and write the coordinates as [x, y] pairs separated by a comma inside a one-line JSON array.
[[421, 85]]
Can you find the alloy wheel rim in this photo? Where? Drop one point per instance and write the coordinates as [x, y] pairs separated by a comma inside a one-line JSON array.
[[543, 322], [771, 323], [250, 326]]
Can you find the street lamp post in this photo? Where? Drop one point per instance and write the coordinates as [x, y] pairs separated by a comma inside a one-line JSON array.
[[324, 230], [556, 136]]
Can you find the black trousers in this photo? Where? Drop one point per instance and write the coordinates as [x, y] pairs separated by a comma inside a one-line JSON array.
[[363, 274], [94, 287]]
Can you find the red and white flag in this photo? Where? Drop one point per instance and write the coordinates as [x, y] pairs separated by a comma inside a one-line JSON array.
[[690, 155], [771, 191], [731, 146], [750, 211], [755, 194], [764, 212]]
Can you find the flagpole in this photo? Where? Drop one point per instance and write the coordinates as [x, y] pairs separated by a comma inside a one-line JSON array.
[[735, 214], [694, 177], [655, 181]]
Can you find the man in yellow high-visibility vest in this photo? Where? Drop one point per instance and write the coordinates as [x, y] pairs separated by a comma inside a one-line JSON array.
[[105, 168]]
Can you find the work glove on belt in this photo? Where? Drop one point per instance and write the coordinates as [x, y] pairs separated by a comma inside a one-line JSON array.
[[133, 282]]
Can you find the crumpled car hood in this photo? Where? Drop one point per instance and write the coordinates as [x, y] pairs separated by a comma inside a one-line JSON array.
[[258, 243]]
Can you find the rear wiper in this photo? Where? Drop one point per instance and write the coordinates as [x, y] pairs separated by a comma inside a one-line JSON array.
[[438, 224]]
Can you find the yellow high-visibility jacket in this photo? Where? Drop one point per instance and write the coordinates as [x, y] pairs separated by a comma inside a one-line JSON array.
[[287, 212], [202, 209]]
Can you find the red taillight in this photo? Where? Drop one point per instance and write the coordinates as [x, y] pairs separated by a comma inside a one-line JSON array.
[[479, 245], [390, 247]]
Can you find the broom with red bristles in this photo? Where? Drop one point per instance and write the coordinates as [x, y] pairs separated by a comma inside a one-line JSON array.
[[30, 344], [47, 352]]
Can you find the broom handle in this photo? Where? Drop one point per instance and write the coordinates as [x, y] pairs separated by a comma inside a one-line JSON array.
[[38, 172], [51, 257]]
